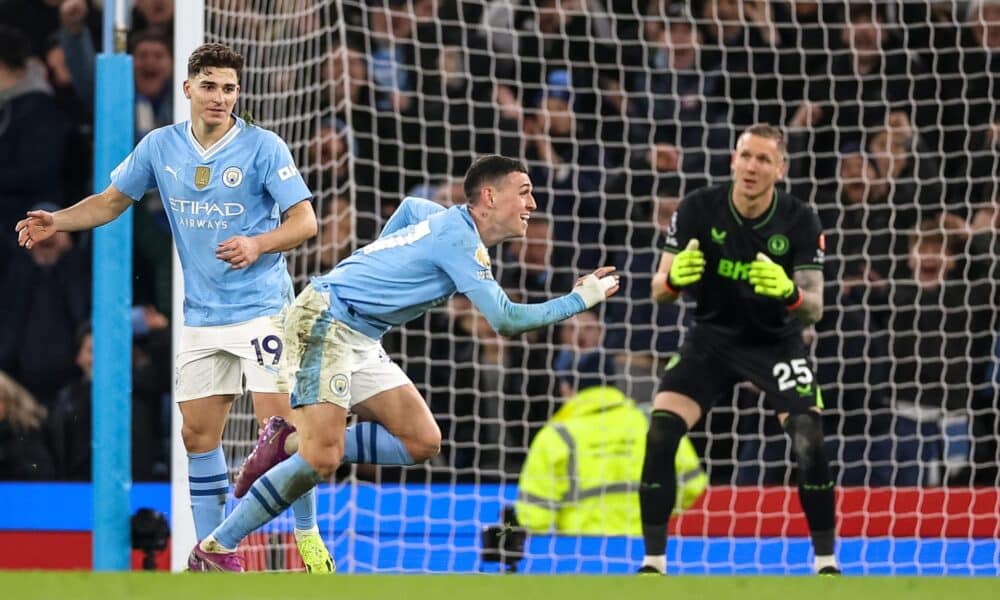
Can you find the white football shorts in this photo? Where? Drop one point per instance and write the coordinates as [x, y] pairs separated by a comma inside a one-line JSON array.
[[214, 360], [329, 361]]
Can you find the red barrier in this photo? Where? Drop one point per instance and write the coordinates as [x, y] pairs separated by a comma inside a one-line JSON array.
[[876, 512], [58, 550], [722, 512]]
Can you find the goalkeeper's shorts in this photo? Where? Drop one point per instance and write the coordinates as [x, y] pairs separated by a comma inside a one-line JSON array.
[[330, 362], [708, 366], [214, 360]]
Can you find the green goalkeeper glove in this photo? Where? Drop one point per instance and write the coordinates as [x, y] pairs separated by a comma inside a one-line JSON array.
[[687, 267], [769, 279]]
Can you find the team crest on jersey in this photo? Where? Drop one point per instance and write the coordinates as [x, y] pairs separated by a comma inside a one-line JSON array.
[[339, 385], [232, 177], [482, 256], [777, 244], [201, 177]]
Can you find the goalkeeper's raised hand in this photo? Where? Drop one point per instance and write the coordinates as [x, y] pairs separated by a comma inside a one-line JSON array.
[[769, 279], [688, 266]]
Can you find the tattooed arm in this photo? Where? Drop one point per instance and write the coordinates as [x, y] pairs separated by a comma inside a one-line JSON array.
[[810, 283]]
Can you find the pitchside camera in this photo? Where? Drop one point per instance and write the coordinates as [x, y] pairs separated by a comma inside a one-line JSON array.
[[150, 533], [504, 543]]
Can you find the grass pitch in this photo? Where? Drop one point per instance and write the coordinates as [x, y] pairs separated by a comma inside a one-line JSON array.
[[164, 586]]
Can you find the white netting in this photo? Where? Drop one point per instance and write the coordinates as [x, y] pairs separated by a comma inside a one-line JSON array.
[[619, 107]]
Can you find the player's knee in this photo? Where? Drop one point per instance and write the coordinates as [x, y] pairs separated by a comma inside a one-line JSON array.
[[806, 431], [198, 438], [666, 428], [324, 455], [425, 445]]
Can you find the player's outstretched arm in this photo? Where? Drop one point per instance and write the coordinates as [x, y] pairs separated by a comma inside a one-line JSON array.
[[298, 226], [511, 318], [88, 213]]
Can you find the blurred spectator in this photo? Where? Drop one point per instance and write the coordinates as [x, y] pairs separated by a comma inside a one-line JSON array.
[[566, 176], [867, 81], [152, 62], [528, 274], [32, 137], [154, 14], [40, 320], [337, 238], [676, 107], [24, 454], [35, 19], [739, 43], [863, 229], [911, 173], [70, 418], [941, 327], [330, 152], [584, 466], [649, 331], [547, 35], [971, 95], [464, 384], [76, 172]]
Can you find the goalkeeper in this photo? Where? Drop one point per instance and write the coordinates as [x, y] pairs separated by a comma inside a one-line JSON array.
[[424, 254], [731, 248]]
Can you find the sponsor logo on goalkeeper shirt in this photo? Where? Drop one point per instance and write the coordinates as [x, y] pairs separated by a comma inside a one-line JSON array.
[[205, 215], [733, 269]]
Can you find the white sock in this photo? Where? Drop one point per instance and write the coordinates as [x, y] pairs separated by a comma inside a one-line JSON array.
[[300, 533], [825, 561], [658, 562], [210, 545]]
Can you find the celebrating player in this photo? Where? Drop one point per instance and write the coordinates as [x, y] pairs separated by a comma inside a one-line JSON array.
[[224, 184], [731, 248], [424, 255]]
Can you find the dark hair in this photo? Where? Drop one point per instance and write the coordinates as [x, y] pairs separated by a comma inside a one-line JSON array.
[[14, 47], [489, 170], [151, 35], [220, 56], [766, 130]]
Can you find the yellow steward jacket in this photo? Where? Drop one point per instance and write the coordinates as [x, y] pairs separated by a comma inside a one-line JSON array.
[[582, 473]]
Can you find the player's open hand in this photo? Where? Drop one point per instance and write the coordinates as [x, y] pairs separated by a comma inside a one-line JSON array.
[[769, 279], [688, 266], [239, 251], [39, 226], [597, 287]]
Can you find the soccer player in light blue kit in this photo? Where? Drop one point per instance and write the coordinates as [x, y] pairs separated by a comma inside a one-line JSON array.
[[425, 254], [225, 185]]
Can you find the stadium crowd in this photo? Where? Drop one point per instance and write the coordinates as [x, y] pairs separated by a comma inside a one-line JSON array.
[[619, 108]]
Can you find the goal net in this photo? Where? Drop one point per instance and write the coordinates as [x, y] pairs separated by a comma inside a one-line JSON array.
[[619, 108]]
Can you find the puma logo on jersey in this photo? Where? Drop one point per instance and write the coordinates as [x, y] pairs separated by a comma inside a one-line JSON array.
[[172, 171]]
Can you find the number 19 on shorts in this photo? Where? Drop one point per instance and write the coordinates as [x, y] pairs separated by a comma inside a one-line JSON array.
[[270, 345]]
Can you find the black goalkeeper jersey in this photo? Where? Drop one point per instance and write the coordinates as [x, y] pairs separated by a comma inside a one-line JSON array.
[[788, 232]]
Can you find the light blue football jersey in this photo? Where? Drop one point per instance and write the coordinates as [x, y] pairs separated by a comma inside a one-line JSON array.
[[423, 256], [239, 186]]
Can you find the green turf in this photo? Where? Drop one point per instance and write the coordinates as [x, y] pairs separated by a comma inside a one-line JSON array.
[[157, 586]]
